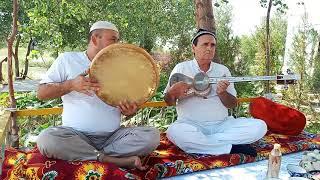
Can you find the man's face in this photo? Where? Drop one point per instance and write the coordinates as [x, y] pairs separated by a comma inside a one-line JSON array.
[[205, 48], [106, 38]]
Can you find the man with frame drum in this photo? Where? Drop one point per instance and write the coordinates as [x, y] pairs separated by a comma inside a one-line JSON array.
[[203, 125], [91, 128]]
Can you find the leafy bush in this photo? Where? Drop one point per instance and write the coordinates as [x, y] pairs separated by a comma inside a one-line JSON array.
[[29, 100], [30, 127]]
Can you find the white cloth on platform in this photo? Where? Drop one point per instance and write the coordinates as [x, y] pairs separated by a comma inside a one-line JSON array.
[[203, 125]]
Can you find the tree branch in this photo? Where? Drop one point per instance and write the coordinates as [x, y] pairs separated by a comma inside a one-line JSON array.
[[10, 40], [267, 84]]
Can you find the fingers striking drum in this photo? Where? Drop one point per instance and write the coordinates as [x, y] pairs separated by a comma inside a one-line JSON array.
[[125, 72]]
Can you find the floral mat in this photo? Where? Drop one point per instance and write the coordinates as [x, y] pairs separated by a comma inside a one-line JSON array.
[[167, 160]]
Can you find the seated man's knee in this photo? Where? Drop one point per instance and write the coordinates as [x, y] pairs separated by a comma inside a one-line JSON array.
[[47, 143], [149, 141], [183, 141], [180, 133], [171, 133], [153, 138], [260, 128]]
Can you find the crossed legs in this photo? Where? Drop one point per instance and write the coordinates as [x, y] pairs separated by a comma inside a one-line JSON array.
[[216, 139], [122, 148]]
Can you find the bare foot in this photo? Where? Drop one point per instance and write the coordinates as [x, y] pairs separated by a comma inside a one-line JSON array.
[[126, 162], [136, 162]]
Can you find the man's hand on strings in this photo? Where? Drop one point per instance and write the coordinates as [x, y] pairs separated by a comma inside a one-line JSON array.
[[222, 86]]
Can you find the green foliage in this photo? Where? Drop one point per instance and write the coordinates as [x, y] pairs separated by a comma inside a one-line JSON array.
[[181, 51], [253, 49], [228, 49], [59, 25], [4, 100], [302, 61], [32, 126], [157, 117], [244, 62], [316, 75], [29, 100], [297, 96], [278, 37], [5, 21], [227, 43], [279, 4], [314, 59], [313, 128], [163, 83]]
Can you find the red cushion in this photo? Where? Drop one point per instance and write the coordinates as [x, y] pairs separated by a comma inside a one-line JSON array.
[[279, 118]]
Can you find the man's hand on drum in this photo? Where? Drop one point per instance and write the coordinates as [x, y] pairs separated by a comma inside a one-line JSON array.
[[179, 90], [128, 108], [84, 84]]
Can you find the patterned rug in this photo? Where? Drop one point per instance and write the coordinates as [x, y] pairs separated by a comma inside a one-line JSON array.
[[168, 160]]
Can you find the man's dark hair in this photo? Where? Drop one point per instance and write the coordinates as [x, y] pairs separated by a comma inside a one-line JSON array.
[[201, 32], [89, 36]]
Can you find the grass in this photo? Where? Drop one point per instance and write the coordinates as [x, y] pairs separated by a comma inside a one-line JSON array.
[[313, 128]]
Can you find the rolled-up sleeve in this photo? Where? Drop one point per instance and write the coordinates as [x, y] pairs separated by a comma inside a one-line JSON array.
[[175, 70], [56, 72]]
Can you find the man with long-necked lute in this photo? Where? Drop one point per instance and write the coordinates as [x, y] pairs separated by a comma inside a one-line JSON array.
[[203, 125]]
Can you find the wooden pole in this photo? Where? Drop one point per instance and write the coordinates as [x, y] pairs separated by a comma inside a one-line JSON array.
[[267, 84], [1, 63], [10, 40], [26, 62]]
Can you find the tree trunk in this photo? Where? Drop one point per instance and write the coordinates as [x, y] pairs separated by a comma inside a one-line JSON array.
[[205, 19], [267, 84], [204, 15], [147, 42], [318, 54], [10, 40], [26, 62], [1, 75], [16, 58]]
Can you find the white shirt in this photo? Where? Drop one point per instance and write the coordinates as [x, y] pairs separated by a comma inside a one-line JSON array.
[[80, 111], [197, 108]]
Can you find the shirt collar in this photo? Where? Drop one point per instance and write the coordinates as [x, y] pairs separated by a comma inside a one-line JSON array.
[[86, 57], [195, 62]]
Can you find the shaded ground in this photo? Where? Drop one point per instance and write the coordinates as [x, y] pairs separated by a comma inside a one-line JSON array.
[[22, 86], [37, 67], [30, 84]]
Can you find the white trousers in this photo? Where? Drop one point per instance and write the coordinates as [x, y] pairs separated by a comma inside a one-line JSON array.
[[215, 138]]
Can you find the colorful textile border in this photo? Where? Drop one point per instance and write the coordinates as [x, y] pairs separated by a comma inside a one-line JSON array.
[[168, 160]]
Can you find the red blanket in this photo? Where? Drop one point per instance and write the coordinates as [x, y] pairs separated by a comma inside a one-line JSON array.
[[168, 160]]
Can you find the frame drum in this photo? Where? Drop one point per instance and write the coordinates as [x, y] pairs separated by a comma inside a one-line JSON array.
[[125, 72]]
